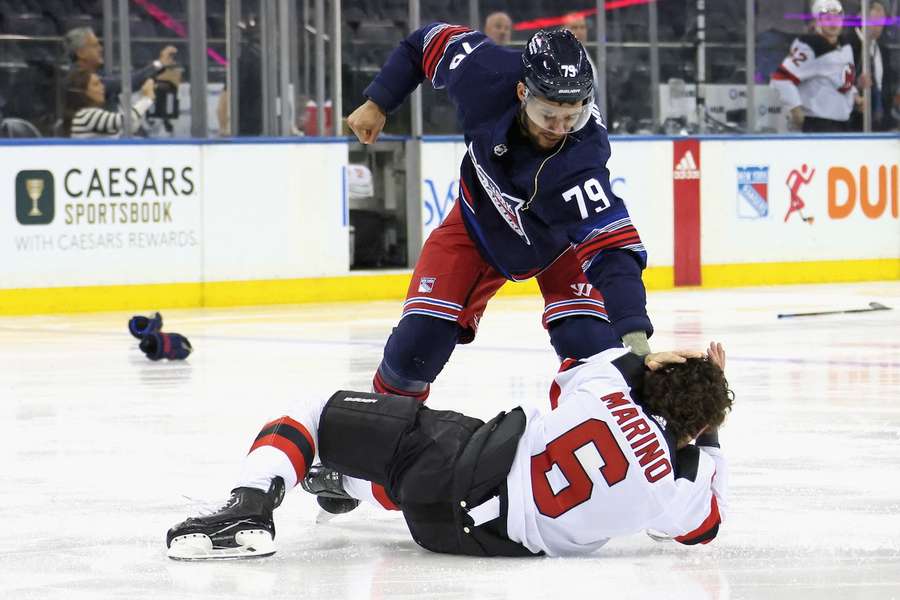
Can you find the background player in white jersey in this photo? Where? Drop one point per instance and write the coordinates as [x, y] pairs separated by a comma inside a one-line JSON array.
[[613, 457], [816, 82]]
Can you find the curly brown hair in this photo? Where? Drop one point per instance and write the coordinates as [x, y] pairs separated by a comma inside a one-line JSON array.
[[689, 396]]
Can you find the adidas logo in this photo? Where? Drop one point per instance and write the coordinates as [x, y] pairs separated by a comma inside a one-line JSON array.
[[687, 167]]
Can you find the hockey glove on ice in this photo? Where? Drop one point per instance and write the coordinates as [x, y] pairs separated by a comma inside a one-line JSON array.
[[160, 345], [139, 326]]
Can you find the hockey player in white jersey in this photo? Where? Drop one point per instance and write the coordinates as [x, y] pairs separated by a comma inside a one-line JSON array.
[[613, 457], [817, 81]]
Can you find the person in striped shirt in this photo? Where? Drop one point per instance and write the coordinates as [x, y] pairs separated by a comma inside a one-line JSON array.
[[85, 116]]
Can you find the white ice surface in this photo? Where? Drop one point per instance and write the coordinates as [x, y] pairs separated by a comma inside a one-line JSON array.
[[99, 446]]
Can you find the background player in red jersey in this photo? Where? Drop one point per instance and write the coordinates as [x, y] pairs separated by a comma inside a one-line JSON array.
[[816, 82], [613, 457]]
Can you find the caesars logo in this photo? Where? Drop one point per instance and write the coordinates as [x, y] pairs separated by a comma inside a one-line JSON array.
[[115, 195], [106, 196], [106, 208], [35, 204]]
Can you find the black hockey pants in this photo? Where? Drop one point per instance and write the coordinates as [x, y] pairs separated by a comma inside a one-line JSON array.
[[435, 465]]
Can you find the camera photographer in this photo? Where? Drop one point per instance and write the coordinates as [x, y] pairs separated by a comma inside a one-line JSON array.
[[86, 53]]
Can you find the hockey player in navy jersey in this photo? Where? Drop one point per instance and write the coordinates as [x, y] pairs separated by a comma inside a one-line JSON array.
[[613, 457], [534, 201]]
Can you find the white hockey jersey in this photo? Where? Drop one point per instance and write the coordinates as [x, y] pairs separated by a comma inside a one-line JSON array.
[[598, 465], [819, 77]]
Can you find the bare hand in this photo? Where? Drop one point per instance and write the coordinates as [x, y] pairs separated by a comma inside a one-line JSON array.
[[367, 121], [716, 355], [657, 360], [864, 81], [797, 116], [167, 56], [147, 89]]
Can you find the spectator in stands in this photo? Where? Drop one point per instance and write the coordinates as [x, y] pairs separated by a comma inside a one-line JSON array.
[[816, 81], [84, 115], [498, 27], [577, 24], [879, 81], [86, 53]]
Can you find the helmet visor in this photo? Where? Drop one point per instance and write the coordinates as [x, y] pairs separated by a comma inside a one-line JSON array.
[[557, 118]]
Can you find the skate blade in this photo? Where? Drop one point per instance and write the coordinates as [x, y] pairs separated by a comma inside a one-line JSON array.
[[658, 536], [252, 543]]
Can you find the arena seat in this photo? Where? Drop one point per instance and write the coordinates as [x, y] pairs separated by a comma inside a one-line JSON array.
[[18, 128], [33, 24]]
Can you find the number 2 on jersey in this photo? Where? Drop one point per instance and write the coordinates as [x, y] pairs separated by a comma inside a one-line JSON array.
[[594, 192], [560, 453], [797, 57]]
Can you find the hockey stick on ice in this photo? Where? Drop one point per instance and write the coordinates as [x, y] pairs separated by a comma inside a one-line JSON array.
[[873, 306]]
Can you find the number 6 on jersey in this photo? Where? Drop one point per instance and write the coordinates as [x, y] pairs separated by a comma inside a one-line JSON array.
[[561, 453]]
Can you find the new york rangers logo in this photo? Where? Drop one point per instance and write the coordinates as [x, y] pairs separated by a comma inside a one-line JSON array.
[[426, 285], [508, 206], [753, 192]]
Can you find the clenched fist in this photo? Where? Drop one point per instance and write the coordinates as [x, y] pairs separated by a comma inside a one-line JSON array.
[[367, 121]]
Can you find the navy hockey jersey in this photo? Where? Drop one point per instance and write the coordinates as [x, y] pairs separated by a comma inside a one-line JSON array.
[[524, 207]]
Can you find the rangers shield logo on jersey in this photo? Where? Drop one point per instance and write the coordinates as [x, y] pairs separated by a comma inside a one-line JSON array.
[[753, 192], [508, 206], [426, 284]]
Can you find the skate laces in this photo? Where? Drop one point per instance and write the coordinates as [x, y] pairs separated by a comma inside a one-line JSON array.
[[204, 507]]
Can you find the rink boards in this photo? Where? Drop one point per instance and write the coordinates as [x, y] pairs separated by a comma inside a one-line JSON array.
[[94, 226]]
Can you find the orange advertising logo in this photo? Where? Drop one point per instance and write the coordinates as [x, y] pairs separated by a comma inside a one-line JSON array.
[[796, 179], [845, 188]]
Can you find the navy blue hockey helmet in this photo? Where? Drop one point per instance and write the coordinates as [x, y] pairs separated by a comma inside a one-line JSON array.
[[559, 82], [557, 68]]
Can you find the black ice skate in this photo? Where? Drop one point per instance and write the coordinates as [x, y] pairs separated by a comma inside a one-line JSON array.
[[326, 486], [242, 528]]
